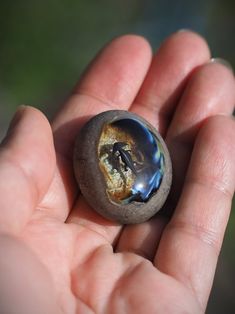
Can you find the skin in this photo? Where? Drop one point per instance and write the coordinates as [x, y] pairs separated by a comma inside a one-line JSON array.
[[59, 256]]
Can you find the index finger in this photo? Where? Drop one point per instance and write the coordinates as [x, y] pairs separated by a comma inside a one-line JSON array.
[[111, 81]]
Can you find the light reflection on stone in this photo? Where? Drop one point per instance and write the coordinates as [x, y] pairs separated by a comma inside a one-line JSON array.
[[131, 159]]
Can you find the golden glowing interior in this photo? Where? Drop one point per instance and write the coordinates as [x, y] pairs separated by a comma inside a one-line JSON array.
[[119, 179]]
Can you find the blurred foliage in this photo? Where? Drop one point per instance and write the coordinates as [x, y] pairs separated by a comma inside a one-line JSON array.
[[45, 45]]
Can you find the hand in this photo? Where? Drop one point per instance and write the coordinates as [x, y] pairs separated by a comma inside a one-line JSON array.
[[57, 255]]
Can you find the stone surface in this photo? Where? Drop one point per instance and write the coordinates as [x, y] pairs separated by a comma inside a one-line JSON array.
[[122, 166]]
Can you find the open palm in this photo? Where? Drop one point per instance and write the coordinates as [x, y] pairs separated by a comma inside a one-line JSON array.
[[57, 255]]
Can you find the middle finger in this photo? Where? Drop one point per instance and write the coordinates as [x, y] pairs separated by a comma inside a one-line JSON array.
[[156, 102]]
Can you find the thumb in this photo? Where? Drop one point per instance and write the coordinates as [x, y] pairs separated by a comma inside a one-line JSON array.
[[27, 164]]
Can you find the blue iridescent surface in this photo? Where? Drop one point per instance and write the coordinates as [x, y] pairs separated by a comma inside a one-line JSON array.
[[147, 156], [131, 159]]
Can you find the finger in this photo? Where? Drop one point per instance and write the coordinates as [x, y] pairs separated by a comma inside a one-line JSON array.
[[171, 67], [27, 164], [210, 91], [170, 70], [142, 239], [111, 82], [215, 94], [192, 240]]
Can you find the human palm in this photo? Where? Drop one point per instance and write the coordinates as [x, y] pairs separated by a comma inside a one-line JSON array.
[[57, 255]]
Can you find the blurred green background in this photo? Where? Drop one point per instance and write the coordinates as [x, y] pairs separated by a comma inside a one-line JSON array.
[[45, 45]]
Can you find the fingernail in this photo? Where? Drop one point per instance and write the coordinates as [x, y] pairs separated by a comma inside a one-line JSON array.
[[182, 30], [223, 62]]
